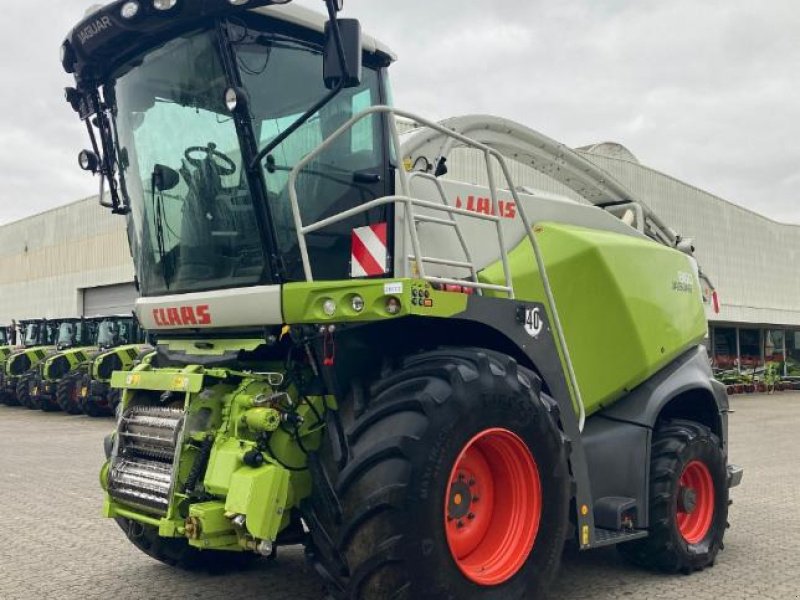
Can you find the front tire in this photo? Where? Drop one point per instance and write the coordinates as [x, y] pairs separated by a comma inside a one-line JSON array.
[[688, 501], [431, 447], [92, 405], [68, 394], [23, 389]]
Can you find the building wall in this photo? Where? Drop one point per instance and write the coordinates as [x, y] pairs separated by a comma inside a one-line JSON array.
[[47, 259], [752, 260]]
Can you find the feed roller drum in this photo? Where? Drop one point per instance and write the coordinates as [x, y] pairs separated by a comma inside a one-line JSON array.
[[142, 472], [150, 432], [142, 483]]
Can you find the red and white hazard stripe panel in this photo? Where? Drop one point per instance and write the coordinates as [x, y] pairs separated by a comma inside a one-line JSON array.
[[369, 254]]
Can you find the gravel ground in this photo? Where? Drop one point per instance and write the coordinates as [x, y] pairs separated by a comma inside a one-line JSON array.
[[56, 544]]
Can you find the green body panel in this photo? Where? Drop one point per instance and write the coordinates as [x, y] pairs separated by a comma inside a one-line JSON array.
[[234, 408], [210, 528], [162, 380], [76, 357], [126, 356], [35, 354], [303, 302], [628, 306], [262, 495], [5, 352]]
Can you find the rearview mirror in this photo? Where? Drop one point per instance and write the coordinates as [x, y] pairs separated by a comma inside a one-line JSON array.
[[333, 70]]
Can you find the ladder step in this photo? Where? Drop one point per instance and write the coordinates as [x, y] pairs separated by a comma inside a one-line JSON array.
[[608, 537], [444, 261]]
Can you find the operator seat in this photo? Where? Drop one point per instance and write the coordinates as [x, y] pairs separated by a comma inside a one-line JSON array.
[[218, 228], [199, 259]]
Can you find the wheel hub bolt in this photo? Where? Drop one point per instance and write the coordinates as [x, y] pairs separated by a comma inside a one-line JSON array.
[[459, 523], [471, 516]]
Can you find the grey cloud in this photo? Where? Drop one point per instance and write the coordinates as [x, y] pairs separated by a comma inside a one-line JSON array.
[[705, 91]]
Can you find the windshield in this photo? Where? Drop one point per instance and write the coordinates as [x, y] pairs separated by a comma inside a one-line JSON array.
[[193, 224], [3, 336], [283, 78], [66, 334], [31, 334], [113, 333], [201, 233]]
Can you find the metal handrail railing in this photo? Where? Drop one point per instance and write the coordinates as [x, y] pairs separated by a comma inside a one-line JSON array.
[[451, 222], [409, 202]]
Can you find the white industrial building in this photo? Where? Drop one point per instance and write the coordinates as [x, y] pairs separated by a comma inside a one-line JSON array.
[[74, 260], [69, 261]]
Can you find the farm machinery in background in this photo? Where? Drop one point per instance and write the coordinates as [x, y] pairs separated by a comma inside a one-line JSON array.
[[72, 346], [64, 380], [122, 345], [38, 338], [7, 346]]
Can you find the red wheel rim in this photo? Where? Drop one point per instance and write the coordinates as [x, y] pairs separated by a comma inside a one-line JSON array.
[[492, 507], [695, 502]]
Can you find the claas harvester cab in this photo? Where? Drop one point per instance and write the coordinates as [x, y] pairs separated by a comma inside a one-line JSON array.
[[121, 344], [38, 337], [72, 345], [431, 384]]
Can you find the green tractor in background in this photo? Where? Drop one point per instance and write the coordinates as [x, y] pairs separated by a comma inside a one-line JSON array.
[[122, 345], [7, 346], [38, 338], [76, 337], [430, 384]]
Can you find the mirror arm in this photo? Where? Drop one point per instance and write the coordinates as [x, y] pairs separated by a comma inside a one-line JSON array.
[[337, 34], [296, 125]]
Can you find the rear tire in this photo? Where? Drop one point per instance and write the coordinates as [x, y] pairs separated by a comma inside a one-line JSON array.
[[90, 404], [177, 552], [688, 501], [45, 402], [67, 394], [8, 398], [382, 511]]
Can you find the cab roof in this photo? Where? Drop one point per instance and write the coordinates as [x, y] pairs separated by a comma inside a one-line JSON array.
[[104, 39]]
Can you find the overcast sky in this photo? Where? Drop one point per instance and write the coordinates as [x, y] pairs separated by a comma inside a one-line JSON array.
[[706, 91]]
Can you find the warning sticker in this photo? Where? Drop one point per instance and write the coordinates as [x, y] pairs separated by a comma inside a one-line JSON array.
[[393, 288], [368, 256], [533, 321]]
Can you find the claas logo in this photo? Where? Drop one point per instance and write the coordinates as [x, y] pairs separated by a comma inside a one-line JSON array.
[[507, 208], [182, 315]]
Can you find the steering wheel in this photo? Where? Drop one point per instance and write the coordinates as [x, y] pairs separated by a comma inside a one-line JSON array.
[[210, 153]]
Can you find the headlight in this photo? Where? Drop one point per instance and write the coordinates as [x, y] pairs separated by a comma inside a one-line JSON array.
[[393, 305], [129, 10], [164, 4], [357, 303], [329, 307], [88, 161]]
